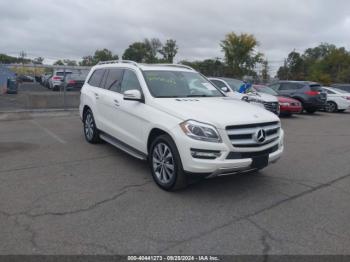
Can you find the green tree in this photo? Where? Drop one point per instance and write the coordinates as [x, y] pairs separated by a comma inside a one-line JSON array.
[[240, 53], [59, 63], [152, 46], [324, 63], [208, 67], [99, 56], [104, 55], [136, 52], [169, 50], [39, 60]]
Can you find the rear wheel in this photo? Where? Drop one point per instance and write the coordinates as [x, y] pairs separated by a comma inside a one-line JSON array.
[[331, 107], [165, 164], [90, 130]]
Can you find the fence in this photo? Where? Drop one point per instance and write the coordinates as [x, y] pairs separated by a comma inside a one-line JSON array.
[[32, 86]]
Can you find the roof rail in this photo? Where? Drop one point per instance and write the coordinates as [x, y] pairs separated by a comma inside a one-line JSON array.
[[175, 65], [118, 61]]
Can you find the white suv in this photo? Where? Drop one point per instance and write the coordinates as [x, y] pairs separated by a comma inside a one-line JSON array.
[[176, 119]]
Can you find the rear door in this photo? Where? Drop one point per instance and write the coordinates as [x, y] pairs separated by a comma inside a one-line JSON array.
[[109, 101], [93, 93], [321, 94]]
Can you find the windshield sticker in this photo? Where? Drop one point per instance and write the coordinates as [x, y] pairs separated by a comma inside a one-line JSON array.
[[161, 79]]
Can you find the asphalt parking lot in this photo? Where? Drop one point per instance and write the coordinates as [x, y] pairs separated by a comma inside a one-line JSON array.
[[61, 195]]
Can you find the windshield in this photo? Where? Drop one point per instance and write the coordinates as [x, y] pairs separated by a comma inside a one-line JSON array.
[[179, 84], [339, 90], [235, 84], [266, 90]]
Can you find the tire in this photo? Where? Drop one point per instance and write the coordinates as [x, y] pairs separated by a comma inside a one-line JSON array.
[[91, 132], [311, 110], [165, 163], [331, 107]]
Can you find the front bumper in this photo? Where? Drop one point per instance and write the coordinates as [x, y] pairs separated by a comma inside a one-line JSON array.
[[221, 165], [290, 109]]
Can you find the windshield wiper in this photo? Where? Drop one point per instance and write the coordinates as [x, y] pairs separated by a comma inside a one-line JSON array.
[[198, 96]]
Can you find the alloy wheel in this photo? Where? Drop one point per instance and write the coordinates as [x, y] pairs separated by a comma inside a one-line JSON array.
[[89, 127], [163, 163]]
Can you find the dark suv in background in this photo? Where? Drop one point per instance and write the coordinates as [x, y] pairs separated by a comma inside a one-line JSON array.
[[310, 94]]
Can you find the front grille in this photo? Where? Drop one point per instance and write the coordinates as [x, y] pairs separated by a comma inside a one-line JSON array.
[[245, 136], [272, 106]]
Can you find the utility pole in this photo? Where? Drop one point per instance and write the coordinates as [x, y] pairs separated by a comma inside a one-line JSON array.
[[22, 55]]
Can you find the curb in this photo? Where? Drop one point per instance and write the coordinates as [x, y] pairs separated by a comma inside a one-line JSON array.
[[30, 114]]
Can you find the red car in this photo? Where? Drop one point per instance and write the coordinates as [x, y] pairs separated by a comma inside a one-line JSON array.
[[288, 106]]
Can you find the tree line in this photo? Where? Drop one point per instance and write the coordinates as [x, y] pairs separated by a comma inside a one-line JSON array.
[[324, 63]]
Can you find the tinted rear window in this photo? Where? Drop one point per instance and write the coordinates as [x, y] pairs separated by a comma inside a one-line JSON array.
[[96, 78], [62, 73], [316, 87]]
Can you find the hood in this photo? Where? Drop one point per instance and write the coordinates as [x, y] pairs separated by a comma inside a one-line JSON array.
[[283, 99], [263, 96], [218, 111]]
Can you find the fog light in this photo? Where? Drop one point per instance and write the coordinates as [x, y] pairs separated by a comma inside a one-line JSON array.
[[205, 154]]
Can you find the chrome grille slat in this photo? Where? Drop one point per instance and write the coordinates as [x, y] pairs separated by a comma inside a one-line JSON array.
[[242, 136], [251, 130]]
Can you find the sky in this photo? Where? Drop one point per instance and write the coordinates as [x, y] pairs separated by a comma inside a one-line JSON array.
[[60, 29]]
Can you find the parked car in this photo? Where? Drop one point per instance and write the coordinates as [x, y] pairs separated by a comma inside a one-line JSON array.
[[45, 80], [345, 87], [231, 87], [310, 94], [55, 82], [12, 85], [288, 106], [338, 100], [176, 119], [25, 78], [74, 81]]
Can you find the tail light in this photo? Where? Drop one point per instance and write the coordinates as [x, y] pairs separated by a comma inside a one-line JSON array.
[[56, 78], [72, 82], [346, 97], [313, 93]]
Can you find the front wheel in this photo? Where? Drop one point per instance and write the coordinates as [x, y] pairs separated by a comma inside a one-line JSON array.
[[165, 164]]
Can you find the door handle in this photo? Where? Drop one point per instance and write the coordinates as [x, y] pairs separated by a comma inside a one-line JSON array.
[[116, 102], [96, 96]]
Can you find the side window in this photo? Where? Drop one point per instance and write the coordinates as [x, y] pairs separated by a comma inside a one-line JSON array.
[[218, 83], [130, 81], [275, 86], [96, 78], [289, 86], [114, 79], [329, 92]]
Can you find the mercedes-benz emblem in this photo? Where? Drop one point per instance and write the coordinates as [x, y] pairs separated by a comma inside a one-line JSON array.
[[260, 136]]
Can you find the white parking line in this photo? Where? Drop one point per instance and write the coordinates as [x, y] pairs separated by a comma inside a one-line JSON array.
[[50, 133]]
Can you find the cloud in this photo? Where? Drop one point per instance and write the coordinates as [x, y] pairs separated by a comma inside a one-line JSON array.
[[72, 29]]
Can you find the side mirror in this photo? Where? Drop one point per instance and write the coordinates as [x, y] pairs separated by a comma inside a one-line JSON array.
[[225, 89], [133, 95]]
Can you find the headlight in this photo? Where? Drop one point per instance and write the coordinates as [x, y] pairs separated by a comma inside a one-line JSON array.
[[284, 104], [200, 131]]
